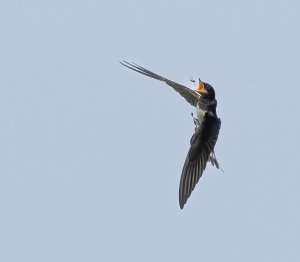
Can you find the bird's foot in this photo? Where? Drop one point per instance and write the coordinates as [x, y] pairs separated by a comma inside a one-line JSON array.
[[196, 121]]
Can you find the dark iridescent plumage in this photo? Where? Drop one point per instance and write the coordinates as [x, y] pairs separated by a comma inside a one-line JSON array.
[[202, 145], [206, 132]]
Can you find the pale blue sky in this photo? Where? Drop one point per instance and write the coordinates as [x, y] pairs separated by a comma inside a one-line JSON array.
[[92, 153]]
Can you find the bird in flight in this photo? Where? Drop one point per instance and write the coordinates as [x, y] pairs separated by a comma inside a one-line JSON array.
[[207, 126]]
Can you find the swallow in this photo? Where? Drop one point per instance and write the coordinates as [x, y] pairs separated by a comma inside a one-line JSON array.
[[207, 127]]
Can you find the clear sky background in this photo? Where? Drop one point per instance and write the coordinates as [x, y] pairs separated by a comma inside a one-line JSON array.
[[91, 152]]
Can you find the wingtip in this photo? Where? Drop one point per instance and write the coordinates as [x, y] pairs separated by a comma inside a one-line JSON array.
[[128, 65], [122, 62], [181, 203]]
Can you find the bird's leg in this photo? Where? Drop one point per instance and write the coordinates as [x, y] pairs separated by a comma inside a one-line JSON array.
[[196, 121]]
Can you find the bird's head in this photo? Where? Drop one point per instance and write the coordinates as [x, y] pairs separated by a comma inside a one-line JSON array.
[[205, 90]]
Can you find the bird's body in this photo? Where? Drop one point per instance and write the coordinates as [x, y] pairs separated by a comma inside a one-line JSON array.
[[201, 151], [203, 106], [206, 133]]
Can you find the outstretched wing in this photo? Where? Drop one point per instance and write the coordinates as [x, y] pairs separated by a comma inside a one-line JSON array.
[[190, 95], [202, 144]]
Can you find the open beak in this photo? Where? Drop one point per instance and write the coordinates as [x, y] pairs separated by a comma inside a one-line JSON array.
[[201, 88]]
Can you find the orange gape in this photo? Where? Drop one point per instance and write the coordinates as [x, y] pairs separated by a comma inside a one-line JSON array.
[[200, 87]]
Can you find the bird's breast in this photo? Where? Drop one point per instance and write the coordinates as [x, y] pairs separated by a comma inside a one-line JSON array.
[[200, 113]]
